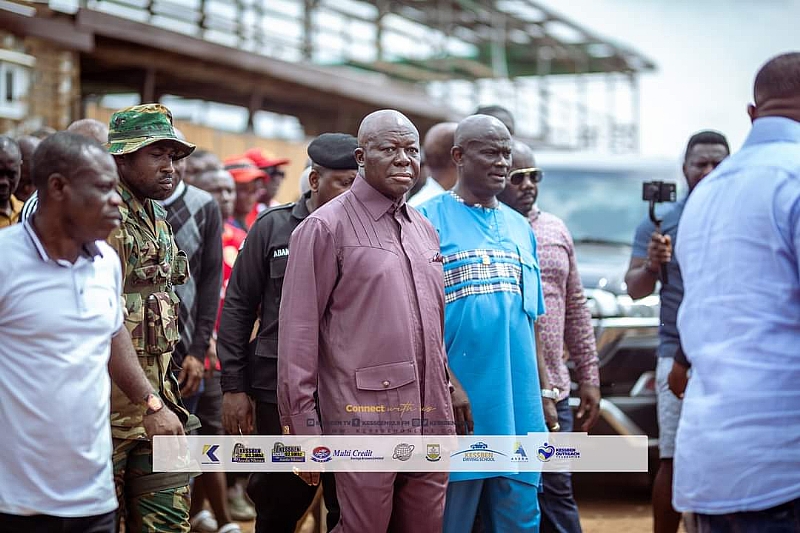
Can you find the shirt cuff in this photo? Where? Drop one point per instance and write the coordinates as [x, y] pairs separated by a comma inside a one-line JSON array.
[[230, 383], [301, 424]]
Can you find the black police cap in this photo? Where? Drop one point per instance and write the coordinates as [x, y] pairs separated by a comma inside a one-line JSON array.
[[334, 151]]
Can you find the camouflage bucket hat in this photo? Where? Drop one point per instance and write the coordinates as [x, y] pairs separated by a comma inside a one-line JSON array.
[[133, 128]]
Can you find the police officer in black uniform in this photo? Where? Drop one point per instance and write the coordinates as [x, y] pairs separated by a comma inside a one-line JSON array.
[[249, 370]]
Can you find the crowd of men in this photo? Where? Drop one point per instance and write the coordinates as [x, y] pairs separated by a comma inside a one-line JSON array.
[[152, 289]]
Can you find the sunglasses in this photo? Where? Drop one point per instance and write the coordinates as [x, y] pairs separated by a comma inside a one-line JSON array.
[[517, 176]]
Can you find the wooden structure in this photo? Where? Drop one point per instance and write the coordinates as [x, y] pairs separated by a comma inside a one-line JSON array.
[[286, 57]]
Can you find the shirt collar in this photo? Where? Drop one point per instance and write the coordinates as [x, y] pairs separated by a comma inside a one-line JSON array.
[[139, 209], [771, 129], [376, 203], [533, 216], [460, 200], [300, 209], [90, 250], [177, 193]]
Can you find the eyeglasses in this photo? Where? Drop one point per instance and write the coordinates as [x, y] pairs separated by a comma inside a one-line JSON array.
[[517, 176]]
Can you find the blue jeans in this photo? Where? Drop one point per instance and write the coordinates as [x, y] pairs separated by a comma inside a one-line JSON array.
[[557, 504], [784, 518]]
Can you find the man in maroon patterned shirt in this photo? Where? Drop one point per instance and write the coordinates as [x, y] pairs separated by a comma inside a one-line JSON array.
[[566, 323]]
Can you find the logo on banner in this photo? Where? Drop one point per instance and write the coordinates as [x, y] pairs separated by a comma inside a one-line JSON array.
[[242, 454], [321, 454], [519, 455], [209, 454], [434, 452], [478, 452], [402, 451], [548, 451], [287, 454]]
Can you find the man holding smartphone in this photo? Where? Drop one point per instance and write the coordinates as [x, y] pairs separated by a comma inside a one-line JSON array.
[[651, 249]]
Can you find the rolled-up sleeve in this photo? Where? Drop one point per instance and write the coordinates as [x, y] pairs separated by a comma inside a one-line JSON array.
[[311, 275]]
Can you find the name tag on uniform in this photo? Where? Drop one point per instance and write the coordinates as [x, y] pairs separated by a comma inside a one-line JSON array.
[[280, 252]]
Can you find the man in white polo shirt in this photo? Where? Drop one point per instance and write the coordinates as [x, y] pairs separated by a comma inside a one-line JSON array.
[[62, 335]]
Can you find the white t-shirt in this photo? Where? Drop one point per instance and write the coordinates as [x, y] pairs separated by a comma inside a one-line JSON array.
[[56, 324]]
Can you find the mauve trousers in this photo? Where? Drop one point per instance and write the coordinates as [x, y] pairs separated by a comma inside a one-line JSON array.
[[395, 502]]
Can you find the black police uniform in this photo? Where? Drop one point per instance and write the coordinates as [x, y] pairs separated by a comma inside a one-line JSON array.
[[280, 499]]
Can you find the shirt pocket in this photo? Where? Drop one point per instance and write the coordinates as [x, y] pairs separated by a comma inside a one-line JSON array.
[[531, 284], [263, 363], [277, 271], [388, 388], [134, 320], [180, 268], [385, 377], [161, 327]]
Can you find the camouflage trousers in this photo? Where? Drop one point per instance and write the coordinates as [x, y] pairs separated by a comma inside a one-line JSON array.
[[164, 511]]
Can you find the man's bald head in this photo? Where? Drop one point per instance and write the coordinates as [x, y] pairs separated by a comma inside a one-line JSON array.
[[388, 153], [10, 163], [522, 155], [385, 120], [499, 112], [89, 127], [779, 78], [437, 145], [27, 146], [482, 153], [479, 127], [9, 146]]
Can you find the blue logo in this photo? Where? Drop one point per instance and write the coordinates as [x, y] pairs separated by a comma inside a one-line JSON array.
[[209, 454], [478, 452], [545, 452], [548, 451]]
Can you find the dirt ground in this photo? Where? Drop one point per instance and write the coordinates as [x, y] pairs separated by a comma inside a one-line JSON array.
[[609, 503], [613, 503]]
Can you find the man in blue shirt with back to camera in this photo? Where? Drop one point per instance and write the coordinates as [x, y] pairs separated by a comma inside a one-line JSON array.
[[651, 249], [737, 460]]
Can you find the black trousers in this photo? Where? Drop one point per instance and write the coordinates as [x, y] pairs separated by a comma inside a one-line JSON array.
[[104, 523], [282, 498]]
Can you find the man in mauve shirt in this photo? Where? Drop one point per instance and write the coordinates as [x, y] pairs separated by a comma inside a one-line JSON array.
[[361, 325]]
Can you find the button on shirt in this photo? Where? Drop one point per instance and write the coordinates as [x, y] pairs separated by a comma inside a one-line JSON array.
[[361, 321], [56, 324], [568, 320], [494, 295], [738, 443]]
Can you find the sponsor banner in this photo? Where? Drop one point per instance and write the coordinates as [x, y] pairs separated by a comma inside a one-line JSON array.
[[556, 452]]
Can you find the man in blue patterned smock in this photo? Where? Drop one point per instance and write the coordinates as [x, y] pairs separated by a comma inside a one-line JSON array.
[[493, 296], [144, 145]]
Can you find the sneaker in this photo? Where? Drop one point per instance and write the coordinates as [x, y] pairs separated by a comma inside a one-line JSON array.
[[203, 522], [240, 509]]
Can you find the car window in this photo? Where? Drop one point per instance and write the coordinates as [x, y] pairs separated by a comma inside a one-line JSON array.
[[597, 206]]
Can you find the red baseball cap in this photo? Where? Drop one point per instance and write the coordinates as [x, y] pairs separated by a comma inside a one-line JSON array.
[[244, 170], [264, 159]]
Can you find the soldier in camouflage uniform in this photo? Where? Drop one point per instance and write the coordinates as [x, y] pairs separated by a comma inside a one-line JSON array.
[[144, 145]]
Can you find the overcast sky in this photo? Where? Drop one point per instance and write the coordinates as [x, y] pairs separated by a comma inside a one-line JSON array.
[[707, 52]]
